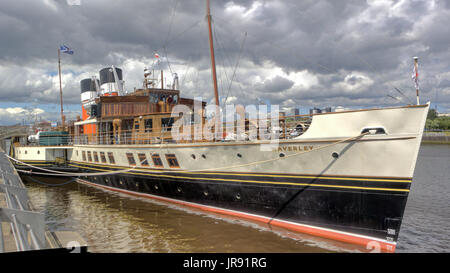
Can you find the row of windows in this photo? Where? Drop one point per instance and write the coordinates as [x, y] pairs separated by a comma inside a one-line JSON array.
[[38, 152], [157, 162], [102, 157], [156, 158]]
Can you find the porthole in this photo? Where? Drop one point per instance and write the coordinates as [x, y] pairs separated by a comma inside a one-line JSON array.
[[156, 187], [193, 156], [106, 180], [239, 155], [120, 182], [238, 196], [335, 155], [205, 193], [282, 154], [38, 152], [204, 156], [178, 189]]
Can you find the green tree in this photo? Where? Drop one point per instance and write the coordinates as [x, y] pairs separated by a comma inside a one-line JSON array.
[[432, 114]]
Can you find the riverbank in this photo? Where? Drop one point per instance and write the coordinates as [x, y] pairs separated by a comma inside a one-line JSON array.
[[436, 137]]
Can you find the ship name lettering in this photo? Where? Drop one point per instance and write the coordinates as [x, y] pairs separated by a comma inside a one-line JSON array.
[[293, 148]]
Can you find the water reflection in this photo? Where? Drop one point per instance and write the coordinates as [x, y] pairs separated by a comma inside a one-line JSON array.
[[112, 222]]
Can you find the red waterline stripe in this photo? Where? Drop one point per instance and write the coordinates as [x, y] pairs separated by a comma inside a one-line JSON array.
[[319, 232]]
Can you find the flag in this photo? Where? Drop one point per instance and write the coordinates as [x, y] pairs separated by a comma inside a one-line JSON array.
[[415, 75], [158, 60], [65, 49]]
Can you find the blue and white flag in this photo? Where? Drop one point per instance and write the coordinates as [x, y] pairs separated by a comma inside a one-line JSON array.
[[65, 49]]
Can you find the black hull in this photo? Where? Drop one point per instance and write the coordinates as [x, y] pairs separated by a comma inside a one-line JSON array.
[[368, 209]]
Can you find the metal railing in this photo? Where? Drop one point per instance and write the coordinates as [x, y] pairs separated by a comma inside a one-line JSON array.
[[291, 127], [27, 226]]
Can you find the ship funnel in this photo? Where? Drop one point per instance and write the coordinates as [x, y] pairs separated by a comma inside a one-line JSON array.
[[89, 91], [89, 88], [111, 82]]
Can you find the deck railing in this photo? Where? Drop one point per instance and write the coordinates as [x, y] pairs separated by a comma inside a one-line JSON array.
[[289, 127]]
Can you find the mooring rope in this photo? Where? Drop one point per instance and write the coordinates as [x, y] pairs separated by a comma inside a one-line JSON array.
[[59, 173]]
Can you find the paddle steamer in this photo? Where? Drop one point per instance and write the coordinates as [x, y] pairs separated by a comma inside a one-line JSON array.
[[339, 175]]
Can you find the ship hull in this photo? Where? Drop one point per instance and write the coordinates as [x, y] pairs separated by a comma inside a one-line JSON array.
[[357, 210], [347, 178]]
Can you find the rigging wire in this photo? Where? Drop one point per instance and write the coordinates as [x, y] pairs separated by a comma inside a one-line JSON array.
[[391, 85], [186, 71], [171, 22], [394, 98], [221, 57], [401, 93], [237, 64], [221, 46]]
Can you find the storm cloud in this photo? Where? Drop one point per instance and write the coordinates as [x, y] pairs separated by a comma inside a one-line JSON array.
[[310, 53]]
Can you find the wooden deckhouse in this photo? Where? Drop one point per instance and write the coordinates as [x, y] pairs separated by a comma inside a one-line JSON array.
[[141, 117]]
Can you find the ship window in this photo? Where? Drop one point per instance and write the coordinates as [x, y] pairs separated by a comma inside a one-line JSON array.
[[38, 152], [172, 160], [157, 160], [83, 153], [77, 153], [95, 156], [111, 158], [148, 125], [166, 124], [25, 151], [131, 160], [89, 156], [102, 157], [143, 159]]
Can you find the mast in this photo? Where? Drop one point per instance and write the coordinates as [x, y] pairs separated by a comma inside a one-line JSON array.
[[60, 89], [211, 48], [416, 77]]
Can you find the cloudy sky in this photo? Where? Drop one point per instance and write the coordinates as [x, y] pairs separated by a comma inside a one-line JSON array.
[[295, 53]]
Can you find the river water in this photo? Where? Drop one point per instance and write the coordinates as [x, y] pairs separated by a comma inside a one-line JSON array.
[[112, 222]]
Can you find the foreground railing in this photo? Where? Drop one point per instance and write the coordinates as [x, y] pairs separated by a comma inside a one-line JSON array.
[[27, 226]]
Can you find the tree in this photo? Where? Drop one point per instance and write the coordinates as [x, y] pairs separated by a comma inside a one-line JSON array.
[[432, 114]]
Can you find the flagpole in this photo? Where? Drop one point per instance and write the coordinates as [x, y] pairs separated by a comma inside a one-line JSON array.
[[60, 88], [416, 68]]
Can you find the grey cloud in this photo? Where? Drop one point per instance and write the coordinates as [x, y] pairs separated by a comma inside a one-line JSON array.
[[329, 39], [277, 84]]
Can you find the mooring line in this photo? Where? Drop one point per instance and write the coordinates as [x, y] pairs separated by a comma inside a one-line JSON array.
[[59, 173]]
